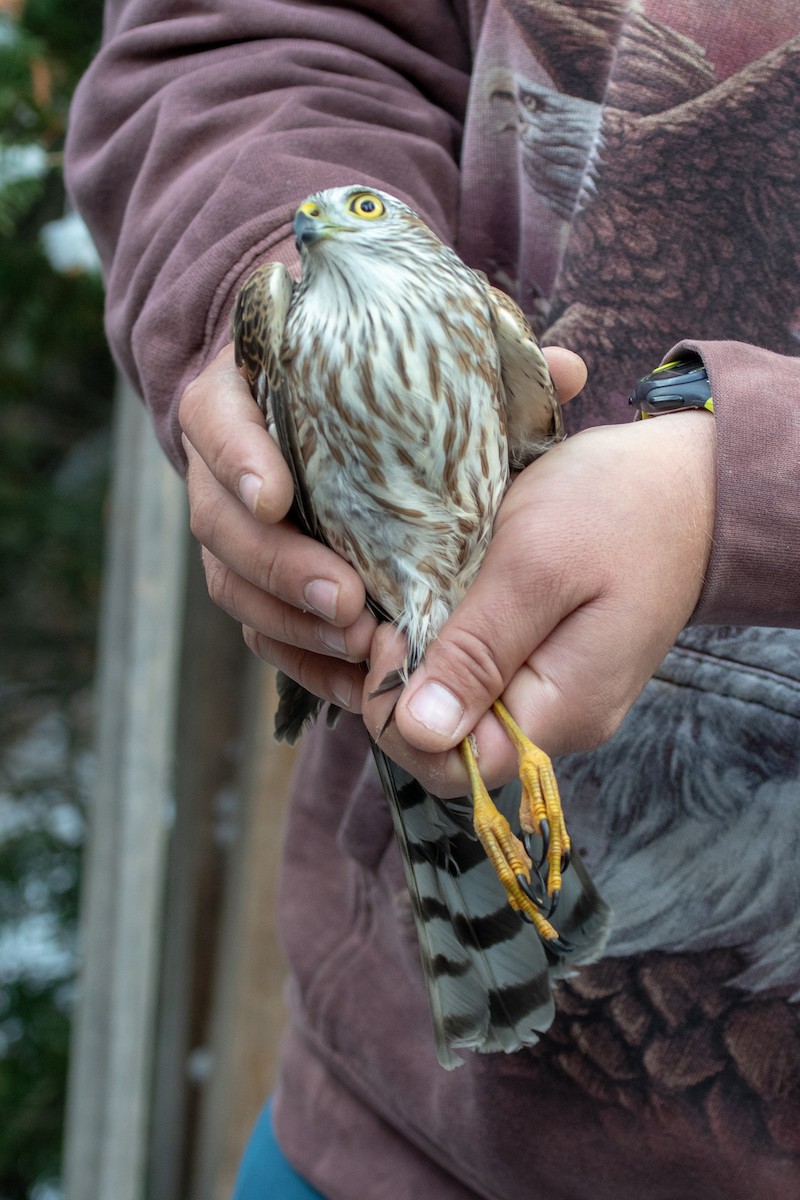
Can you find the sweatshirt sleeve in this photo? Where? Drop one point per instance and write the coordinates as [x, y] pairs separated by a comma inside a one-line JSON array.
[[753, 574], [199, 128]]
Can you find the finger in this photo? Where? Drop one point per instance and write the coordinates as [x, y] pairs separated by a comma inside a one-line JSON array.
[[336, 682], [277, 559], [223, 424], [250, 605], [442, 773], [568, 370]]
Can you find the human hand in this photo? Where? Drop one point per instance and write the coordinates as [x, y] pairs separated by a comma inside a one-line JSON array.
[[596, 563], [301, 605]]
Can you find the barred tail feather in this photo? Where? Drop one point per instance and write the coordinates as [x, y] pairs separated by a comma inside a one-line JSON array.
[[488, 975]]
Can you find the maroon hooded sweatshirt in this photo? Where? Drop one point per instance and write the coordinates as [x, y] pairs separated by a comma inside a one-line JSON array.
[[631, 174]]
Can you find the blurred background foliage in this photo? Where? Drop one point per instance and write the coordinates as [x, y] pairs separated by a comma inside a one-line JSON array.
[[56, 383]]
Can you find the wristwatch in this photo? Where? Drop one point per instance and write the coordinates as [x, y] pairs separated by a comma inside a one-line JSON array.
[[673, 387]]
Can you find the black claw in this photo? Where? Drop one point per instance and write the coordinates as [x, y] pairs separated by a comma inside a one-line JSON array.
[[566, 859], [529, 892], [559, 944], [544, 833], [526, 916], [553, 903], [527, 841], [535, 865]]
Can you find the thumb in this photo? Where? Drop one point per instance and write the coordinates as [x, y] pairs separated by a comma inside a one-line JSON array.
[[494, 630], [568, 371]]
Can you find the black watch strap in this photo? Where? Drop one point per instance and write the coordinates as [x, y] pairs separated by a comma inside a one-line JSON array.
[[673, 387]]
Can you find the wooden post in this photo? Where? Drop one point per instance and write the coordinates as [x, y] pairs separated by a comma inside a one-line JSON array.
[[208, 801], [109, 1089]]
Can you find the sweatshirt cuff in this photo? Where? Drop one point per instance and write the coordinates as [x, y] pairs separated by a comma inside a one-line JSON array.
[[753, 575]]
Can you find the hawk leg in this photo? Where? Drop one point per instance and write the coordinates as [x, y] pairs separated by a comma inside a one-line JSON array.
[[540, 810], [505, 851]]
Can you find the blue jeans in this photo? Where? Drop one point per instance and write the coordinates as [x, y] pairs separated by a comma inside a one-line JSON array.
[[264, 1173]]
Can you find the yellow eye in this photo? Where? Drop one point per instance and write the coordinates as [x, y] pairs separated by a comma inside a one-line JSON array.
[[367, 205]]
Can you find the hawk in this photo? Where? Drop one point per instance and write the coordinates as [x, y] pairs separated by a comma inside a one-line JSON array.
[[403, 389]]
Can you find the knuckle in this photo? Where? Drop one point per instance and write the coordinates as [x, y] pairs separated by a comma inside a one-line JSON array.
[[225, 459], [307, 674], [272, 575], [264, 647], [187, 405], [278, 570], [197, 523], [290, 626], [271, 651], [214, 439], [607, 724], [471, 660], [203, 518], [302, 666], [600, 726], [221, 583], [444, 778], [201, 494]]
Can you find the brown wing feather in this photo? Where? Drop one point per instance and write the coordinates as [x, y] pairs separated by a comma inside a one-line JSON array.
[[259, 320], [533, 414]]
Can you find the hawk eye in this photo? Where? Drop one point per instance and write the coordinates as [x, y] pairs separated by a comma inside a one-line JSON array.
[[367, 205]]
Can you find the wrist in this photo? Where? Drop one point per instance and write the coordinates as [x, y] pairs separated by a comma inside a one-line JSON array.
[[687, 444]]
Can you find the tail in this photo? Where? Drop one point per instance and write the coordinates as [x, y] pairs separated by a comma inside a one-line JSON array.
[[489, 976]]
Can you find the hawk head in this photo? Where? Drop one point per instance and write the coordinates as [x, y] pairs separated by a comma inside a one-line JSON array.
[[358, 224], [352, 212]]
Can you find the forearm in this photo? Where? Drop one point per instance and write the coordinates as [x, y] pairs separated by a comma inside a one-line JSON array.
[[194, 137]]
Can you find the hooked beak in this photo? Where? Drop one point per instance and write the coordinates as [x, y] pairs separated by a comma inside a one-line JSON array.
[[308, 228]]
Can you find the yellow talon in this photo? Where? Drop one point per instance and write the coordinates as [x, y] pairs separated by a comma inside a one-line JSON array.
[[540, 798], [540, 813], [503, 848]]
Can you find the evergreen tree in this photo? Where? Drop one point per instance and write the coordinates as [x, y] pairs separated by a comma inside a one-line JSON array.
[[56, 383]]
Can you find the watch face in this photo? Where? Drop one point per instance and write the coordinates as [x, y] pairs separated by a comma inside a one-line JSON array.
[[675, 386]]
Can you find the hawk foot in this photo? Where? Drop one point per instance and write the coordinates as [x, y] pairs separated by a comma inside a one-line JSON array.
[[540, 809], [509, 857]]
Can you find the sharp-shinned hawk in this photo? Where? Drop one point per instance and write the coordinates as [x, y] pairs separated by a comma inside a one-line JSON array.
[[403, 390]]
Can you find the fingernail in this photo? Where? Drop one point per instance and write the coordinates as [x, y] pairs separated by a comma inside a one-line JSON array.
[[321, 596], [333, 638], [437, 709], [343, 691], [249, 489]]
